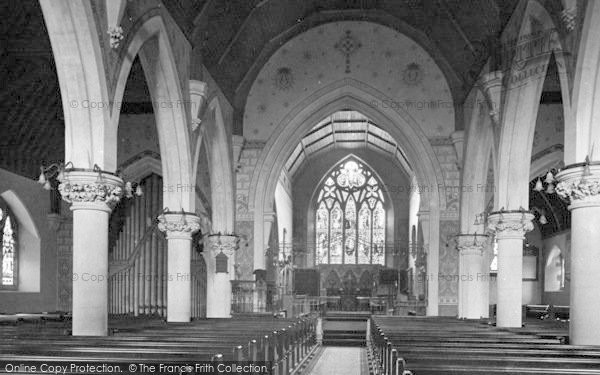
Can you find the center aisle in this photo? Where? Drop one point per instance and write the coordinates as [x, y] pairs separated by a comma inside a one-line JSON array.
[[340, 361]]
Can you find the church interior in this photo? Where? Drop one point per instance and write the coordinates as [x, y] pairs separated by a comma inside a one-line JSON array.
[[301, 187]]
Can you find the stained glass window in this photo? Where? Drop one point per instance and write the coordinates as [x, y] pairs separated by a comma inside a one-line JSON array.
[[350, 217], [9, 248]]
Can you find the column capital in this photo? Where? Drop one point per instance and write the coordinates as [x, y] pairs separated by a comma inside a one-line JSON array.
[[580, 184], [510, 224], [93, 190], [471, 243], [178, 225], [222, 243]]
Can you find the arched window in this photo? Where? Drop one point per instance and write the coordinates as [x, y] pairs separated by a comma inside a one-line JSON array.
[[9, 247], [554, 279], [350, 217]]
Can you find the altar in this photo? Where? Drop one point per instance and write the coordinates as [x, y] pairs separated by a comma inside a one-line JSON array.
[[357, 287]]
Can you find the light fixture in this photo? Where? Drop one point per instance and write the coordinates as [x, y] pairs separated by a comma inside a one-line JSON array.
[[542, 219], [586, 167], [547, 182], [538, 185], [53, 171]]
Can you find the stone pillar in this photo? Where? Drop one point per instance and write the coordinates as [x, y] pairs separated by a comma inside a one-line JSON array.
[[582, 188], [179, 228], [219, 251], [510, 228], [93, 195], [432, 273], [473, 273]]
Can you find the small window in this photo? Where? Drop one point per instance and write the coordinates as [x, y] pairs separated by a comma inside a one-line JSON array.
[[8, 226]]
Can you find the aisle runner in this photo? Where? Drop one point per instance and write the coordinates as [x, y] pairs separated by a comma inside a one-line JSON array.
[[340, 361]]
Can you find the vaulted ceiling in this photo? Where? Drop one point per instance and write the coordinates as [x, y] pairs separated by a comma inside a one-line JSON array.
[[235, 38]]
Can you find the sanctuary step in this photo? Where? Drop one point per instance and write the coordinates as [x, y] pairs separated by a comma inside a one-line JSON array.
[[345, 328]]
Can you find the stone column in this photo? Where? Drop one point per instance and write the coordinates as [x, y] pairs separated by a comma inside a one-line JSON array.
[[432, 274], [473, 297], [179, 228], [581, 185], [219, 251], [510, 228], [93, 195]]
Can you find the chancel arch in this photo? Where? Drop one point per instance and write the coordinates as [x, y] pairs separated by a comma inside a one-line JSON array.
[[342, 95]]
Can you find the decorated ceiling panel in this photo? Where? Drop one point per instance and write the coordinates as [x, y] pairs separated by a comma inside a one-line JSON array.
[[399, 68]]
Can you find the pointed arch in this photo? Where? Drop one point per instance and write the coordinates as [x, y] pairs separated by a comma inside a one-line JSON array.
[[523, 89], [340, 95], [151, 41], [141, 166], [73, 33], [581, 130]]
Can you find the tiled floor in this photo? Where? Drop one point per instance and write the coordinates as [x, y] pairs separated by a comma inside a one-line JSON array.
[[340, 361]]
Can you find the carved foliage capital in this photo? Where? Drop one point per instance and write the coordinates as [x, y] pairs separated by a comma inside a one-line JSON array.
[[510, 224], [578, 187], [179, 224], [91, 187]]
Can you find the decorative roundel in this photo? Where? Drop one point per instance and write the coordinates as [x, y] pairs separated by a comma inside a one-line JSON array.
[[284, 79], [413, 74]]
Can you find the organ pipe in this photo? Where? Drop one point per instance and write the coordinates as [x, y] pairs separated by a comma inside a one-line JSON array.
[[138, 259]]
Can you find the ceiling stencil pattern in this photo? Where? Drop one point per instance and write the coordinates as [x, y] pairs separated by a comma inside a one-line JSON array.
[[400, 69]]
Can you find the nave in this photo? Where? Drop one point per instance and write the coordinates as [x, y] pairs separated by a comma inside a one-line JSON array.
[[391, 345], [304, 182]]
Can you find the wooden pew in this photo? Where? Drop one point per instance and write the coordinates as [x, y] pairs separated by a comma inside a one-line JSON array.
[[286, 342], [446, 346]]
